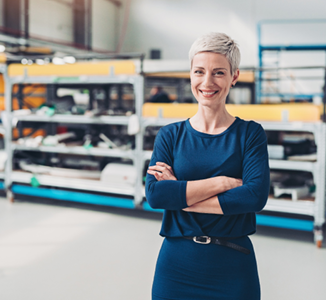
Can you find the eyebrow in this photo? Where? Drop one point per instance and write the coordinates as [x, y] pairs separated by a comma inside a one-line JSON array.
[[213, 69]]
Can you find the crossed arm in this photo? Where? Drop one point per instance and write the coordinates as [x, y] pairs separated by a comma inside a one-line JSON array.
[[200, 194]]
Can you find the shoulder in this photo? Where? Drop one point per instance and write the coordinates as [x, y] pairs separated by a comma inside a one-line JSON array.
[[169, 132], [249, 125], [253, 131], [172, 129]]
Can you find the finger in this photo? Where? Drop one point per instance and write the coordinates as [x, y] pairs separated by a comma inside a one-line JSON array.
[[159, 176], [159, 168], [152, 172], [152, 167], [164, 165]]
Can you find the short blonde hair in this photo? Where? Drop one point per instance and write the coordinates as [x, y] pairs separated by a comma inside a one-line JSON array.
[[218, 43]]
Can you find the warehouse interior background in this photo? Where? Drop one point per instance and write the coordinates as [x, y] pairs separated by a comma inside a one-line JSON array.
[[78, 126]]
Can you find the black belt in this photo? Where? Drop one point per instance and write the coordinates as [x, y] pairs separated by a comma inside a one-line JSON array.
[[218, 241]]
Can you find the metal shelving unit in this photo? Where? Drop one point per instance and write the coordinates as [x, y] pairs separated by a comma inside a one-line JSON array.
[[14, 179], [275, 50], [316, 208], [64, 188]]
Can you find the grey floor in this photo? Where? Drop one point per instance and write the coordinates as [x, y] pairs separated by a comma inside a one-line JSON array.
[[51, 252]]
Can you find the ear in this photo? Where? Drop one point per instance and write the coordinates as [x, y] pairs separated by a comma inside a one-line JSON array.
[[235, 77]]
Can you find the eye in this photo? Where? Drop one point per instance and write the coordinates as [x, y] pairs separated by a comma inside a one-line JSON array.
[[198, 72], [219, 73]]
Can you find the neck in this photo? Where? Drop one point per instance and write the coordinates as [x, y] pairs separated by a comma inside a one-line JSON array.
[[211, 121]]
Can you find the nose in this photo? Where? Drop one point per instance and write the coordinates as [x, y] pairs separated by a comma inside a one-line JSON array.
[[208, 80]]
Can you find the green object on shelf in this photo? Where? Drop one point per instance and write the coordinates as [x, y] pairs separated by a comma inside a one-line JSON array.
[[50, 111], [88, 146], [35, 182]]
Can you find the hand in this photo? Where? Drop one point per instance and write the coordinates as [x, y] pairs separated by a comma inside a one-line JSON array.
[[231, 183], [161, 171]]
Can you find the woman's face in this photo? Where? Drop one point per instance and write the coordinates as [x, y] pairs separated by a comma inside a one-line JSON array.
[[211, 78]]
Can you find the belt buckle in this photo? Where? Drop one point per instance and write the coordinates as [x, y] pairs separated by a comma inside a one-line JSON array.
[[202, 239]]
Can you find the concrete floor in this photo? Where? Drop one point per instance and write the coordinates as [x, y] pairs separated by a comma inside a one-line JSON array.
[[51, 252]]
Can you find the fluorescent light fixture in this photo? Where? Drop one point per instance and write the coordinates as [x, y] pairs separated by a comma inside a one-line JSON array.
[[69, 59]]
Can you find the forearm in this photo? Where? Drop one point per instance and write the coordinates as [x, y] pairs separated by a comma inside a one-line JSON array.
[[199, 190], [208, 206], [166, 194], [174, 195], [248, 198], [165, 187]]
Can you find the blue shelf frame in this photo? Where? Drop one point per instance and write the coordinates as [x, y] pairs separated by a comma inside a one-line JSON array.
[[262, 48], [80, 197], [73, 196], [266, 220]]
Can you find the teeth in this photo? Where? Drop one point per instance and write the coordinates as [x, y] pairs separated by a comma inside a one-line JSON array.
[[206, 93]]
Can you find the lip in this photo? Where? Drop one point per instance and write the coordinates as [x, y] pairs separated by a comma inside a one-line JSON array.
[[208, 93]]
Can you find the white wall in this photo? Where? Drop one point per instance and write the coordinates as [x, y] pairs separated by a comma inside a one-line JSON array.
[[1, 13], [105, 17], [172, 25], [51, 20], [54, 20]]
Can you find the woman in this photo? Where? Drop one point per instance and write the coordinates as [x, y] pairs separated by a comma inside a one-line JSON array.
[[210, 173]]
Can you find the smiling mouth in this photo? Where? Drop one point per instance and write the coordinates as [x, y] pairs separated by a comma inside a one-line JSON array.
[[208, 93]]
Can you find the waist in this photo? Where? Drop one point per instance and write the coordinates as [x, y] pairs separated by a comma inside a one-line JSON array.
[[225, 242]]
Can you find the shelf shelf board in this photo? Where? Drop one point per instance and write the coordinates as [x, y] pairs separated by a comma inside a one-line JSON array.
[[76, 119], [75, 183], [303, 207], [149, 121], [92, 79], [273, 163], [275, 126], [78, 150], [292, 165], [292, 126], [298, 47]]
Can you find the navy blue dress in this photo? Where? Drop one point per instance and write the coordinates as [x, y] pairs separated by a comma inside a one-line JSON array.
[[186, 270]]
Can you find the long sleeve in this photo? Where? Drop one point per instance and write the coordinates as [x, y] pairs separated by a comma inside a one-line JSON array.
[[253, 194], [167, 194]]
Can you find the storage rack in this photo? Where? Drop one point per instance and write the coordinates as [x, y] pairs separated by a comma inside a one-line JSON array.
[[56, 187], [305, 207], [89, 74], [277, 48]]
